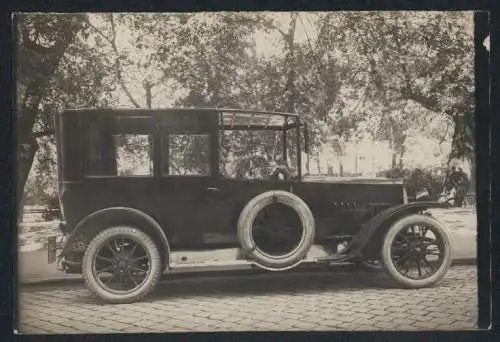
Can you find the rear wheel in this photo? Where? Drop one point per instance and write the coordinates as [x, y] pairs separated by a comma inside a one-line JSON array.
[[121, 265], [416, 251]]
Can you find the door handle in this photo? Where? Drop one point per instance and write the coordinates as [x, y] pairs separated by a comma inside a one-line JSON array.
[[213, 189]]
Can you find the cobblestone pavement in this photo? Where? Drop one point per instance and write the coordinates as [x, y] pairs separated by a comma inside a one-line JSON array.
[[342, 299]]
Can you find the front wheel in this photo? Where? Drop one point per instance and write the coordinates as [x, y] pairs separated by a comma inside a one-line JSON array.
[[121, 265], [416, 251]]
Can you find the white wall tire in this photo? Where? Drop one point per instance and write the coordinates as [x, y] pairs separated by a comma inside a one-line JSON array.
[[403, 250], [140, 265], [246, 226]]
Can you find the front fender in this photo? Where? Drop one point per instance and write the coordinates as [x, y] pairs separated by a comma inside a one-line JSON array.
[[382, 219]]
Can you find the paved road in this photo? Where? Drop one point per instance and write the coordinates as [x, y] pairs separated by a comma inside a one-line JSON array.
[[342, 299]]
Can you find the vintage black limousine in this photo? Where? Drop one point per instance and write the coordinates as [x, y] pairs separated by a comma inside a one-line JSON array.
[[148, 192]]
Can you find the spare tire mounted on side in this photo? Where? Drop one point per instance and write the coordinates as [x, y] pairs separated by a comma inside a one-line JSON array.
[[276, 230]]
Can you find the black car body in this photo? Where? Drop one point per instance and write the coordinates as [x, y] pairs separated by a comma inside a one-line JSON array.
[[199, 208]]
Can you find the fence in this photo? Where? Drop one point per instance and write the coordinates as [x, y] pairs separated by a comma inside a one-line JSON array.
[[34, 213]]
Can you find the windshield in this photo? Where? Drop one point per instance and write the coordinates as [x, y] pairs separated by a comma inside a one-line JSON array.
[[255, 154]]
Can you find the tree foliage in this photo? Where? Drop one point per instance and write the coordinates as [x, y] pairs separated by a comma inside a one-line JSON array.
[[350, 75], [425, 58], [56, 69]]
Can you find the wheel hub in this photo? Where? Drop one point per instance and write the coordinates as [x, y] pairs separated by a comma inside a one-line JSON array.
[[122, 263]]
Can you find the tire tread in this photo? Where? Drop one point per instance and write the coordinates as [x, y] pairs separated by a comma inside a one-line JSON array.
[[387, 261], [94, 287]]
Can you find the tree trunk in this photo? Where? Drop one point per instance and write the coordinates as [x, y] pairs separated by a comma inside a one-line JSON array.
[[394, 163], [318, 164], [148, 87], [20, 212], [149, 99], [391, 145], [472, 183], [26, 151], [401, 159], [290, 90], [48, 59]]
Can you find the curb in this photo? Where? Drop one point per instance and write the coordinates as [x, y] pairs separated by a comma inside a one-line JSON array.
[[464, 262], [63, 279], [78, 280]]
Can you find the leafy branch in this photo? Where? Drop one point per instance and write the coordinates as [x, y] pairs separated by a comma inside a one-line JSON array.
[[117, 63]]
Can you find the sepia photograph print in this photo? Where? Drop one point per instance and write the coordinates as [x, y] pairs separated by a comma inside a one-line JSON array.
[[245, 171]]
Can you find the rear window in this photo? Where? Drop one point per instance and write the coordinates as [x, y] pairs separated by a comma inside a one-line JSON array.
[[121, 148]]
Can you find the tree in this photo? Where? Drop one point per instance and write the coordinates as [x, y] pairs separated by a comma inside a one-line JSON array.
[[347, 74], [138, 51], [56, 69], [218, 66], [425, 58], [42, 43]]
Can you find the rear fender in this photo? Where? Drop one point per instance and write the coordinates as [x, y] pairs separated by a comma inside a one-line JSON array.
[[376, 225], [94, 223]]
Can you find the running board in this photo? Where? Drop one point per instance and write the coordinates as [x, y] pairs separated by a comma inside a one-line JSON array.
[[233, 259]]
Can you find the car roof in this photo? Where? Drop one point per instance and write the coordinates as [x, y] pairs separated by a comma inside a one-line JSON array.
[[180, 109], [231, 118]]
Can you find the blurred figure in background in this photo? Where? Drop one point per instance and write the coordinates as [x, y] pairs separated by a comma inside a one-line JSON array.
[[455, 187], [451, 182], [461, 186], [449, 191]]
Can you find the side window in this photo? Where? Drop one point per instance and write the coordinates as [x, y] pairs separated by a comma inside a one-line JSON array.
[[133, 154], [186, 154], [112, 153], [250, 154]]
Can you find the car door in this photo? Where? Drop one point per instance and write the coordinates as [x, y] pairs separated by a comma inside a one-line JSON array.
[[186, 171], [118, 163]]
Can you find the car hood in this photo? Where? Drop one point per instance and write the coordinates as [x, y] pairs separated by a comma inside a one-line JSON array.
[[350, 180]]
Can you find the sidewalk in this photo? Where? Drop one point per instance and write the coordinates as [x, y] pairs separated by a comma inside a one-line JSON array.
[[462, 226], [461, 223], [33, 268]]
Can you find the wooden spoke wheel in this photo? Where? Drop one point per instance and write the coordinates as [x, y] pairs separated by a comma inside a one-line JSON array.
[[416, 251], [121, 265]]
